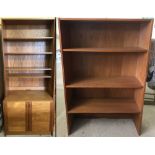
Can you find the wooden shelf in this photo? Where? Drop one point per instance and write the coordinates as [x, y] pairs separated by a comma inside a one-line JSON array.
[[28, 53], [109, 82], [26, 68], [120, 49], [27, 39], [34, 75], [103, 106], [26, 95]]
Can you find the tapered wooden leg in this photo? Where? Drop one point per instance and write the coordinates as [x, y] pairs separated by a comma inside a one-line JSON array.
[[138, 122]]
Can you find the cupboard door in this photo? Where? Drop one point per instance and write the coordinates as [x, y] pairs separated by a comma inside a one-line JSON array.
[[16, 117], [41, 117]]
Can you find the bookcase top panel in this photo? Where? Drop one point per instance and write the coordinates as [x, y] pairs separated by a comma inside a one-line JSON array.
[[25, 19], [109, 19], [14, 21]]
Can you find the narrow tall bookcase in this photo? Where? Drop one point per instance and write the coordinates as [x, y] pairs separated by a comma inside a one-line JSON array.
[[29, 73], [104, 65]]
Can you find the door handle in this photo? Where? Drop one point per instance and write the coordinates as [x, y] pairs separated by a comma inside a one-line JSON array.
[[28, 116]]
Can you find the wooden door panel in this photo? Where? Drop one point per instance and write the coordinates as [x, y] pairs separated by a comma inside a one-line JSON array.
[[41, 117], [16, 116]]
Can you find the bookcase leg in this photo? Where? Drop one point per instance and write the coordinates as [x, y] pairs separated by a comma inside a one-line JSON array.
[[138, 122], [70, 118]]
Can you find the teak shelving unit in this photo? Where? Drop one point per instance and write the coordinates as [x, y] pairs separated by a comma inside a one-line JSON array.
[[104, 65], [29, 73]]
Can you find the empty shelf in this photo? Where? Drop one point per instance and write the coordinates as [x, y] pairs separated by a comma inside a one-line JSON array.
[[109, 82], [103, 106], [26, 95], [26, 68], [35, 75], [27, 53], [121, 49], [28, 38]]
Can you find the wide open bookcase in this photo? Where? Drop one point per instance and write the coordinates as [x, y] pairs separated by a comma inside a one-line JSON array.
[[104, 65], [29, 73]]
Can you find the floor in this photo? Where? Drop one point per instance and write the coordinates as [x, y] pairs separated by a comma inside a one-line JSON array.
[[101, 126]]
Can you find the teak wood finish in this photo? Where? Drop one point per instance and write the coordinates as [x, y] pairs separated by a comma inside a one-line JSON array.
[[1, 85], [104, 65], [29, 74]]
